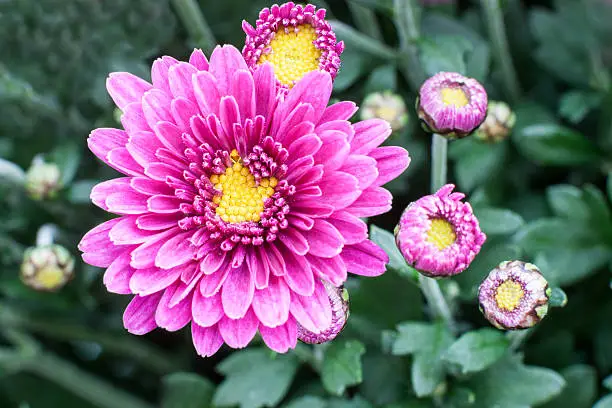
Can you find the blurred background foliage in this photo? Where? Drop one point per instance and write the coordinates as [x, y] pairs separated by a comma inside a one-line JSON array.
[[543, 195]]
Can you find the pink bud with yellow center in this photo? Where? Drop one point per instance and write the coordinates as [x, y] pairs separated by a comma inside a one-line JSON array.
[[514, 296], [452, 105], [295, 39], [339, 302], [438, 234]]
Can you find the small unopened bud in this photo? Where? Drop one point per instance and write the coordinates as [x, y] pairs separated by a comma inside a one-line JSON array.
[[385, 105], [498, 124], [43, 180], [47, 268], [514, 296], [339, 301]]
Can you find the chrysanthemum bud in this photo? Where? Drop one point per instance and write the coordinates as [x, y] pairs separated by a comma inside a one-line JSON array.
[[47, 268], [42, 180], [451, 105], [514, 296], [438, 234], [385, 105], [498, 124], [339, 301]]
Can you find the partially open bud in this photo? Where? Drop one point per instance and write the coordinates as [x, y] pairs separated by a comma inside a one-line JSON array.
[[498, 124], [451, 105], [42, 179], [385, 105], [514, 296], [47, 268], [339, 301]]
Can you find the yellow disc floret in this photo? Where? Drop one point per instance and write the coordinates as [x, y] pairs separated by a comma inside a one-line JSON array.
[[242, 198], [509, 295], [454, 96], [293, 54], [441, 233]]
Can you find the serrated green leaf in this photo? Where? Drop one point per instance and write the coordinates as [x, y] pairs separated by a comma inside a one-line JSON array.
[[428, 367], [342, 365], [186, 390], [553, 233], [580, 388], [255, 378], [413, 337], [477, 350], [500, 221], [386, 240]]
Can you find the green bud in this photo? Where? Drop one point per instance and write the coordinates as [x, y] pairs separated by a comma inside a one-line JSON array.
[[385, 105], [498, 124], [43, 180], [47, 268]]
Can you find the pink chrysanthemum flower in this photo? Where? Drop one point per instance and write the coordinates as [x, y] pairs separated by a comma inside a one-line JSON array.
[[452, 105], [438, 234], [237, 201], [339, 301], [295, 39], [514, 295]]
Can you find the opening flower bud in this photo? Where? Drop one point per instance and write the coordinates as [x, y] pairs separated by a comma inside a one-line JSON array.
[[385, 105], [47, 268], [42, 180], [514, 296], [498, 124], [339, 302]]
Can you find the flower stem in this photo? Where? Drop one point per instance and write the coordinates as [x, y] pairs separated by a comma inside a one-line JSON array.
[[437, 302], [439, 146], [497, 35], [194, 22], [406, 21], [45, 235]]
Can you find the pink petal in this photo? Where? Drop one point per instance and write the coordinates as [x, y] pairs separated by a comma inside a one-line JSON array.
[[149, 186], [127, 202], [139, 316], [239, 332], [213, 261], [299, 275], [182, 111], [101, 141], [117, 276], [284, 121], [314, 89], [171, 137], [363, 168], [369, 134], [311, 208], [330, 269], [179, 78], [229, 114], [210, 284], [312, 312], [127, 232], [391, 162], [163, 204], [224, 62], [324, 239], [142, 147], [243, 90], [352, 229], [281, 338], [295, 241], [365, 259], [159, 73], [373, 201], [206, 340], [147, 281], [237, 292], [207, 92], [339, 111], [271, 304], [176, 317], [156, 107], [156, 222], [265, 89], [176, 251], [198, 60], [206, 311], [340, 189], [121, 160], [133, 119], [259, 265], [335, 150], [144, 256], [300, 221], [275, 259], [306, 145], [126, 88], [102, 190]]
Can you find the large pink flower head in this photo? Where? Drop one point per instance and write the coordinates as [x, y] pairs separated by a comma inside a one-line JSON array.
[[295, 39], [438, 234], [238, 202], [452, 105]]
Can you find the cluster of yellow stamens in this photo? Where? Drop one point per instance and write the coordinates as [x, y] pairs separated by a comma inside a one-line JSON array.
[[293, 54], [242, 198], [454, 96], [441, 233], [509, 295]]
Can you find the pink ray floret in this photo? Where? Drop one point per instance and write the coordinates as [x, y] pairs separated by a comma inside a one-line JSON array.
[[171, 248], [414, 226]]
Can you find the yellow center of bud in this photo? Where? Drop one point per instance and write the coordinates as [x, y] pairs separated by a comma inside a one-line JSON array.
[[49, 277], [441, 233], [293, 54], [454, 96], [508, 295], [387, 113], [242, 198]]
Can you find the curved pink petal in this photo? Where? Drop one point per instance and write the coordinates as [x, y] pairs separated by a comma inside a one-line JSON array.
[[176, 251], [237, 292], [118, 274], [329, 269], [101, 141], [363, 168], [373, 201], [365, 258], [126, 88], [206, 311], [237, 333], [281, 338], [147, 281], [312, 312], [224, 62], [176, 317], [139, 316], [198, 60], [298, 275], [206, 340], [159, 73], [391, 161], [369, 134], [324, 239], [271, 304]]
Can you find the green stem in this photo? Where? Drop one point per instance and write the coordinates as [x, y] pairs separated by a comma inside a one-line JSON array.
[[517, 338], [437, 302], [194, 22], [501, 51], [439, 146], [406, 21], [365, 20]]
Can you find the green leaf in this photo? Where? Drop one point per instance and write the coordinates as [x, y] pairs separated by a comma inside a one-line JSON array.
[[575, 105], [11, 172], [342, 366], [386, 240], [67, 157], [552, 144], [383, 78], [384, 378], [566, 202], [413, 337], [356, 402], [580, 389], [605, 402], [553, 233], [360, 42], [607, 382], [186, 390], [498, 220], [428, 367], [307, 401], [255, 378], [509, 383], [443, 53], [565, 266], [476, 162], [477, 350], [352, 68]]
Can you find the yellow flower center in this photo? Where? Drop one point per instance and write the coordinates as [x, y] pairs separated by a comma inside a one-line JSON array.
[[508, 295], [386, 113], [242, 198], [49, 277], [441, 233], [293, 54], [454, 96]]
